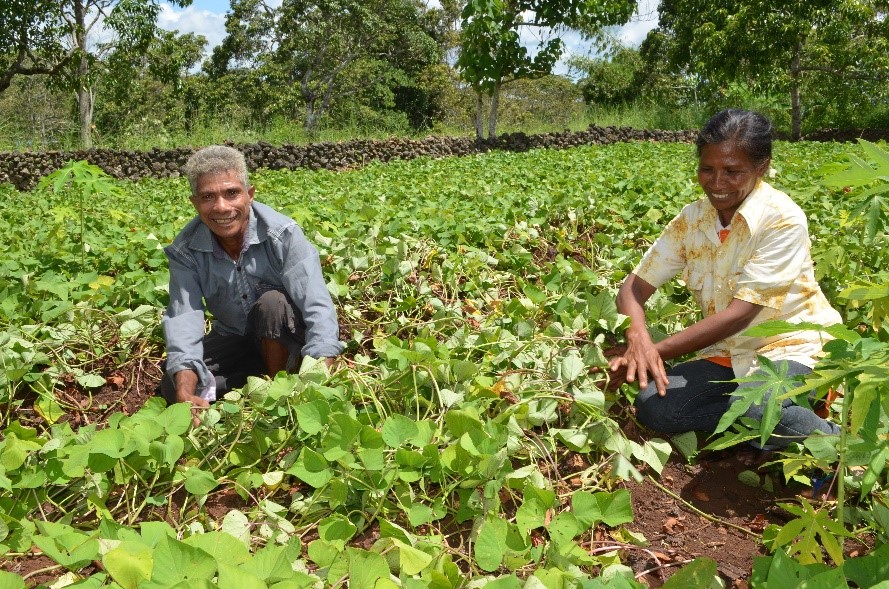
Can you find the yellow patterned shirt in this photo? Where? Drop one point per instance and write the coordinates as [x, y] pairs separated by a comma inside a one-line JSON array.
[[765, 260]]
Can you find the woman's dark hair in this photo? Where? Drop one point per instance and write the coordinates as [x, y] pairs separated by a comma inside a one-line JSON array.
[[749, 130]]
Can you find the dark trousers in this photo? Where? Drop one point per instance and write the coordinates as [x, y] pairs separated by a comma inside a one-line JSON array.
[[698, 395], [233, 358]]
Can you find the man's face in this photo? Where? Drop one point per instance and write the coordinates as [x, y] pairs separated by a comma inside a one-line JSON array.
[[223, 204]]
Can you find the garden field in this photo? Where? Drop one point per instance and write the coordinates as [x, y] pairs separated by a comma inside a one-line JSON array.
[[462, 439]]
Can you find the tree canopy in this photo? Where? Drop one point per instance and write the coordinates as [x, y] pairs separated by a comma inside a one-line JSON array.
[[776, 43], [492, 53]]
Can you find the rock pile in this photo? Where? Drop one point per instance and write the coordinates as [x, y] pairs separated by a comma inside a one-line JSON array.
[[24, 169]]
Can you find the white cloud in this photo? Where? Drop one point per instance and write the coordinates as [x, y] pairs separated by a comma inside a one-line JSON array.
[[631, 34], [204, 22]]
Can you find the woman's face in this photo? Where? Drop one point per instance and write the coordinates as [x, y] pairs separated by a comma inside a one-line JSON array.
[[727, 175]]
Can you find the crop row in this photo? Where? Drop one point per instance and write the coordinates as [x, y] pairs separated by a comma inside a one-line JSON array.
[[473, 292]]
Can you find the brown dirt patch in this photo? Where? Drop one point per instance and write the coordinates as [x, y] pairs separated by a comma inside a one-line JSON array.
[[665, 515]]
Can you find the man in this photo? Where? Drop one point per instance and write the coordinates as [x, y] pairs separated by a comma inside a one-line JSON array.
[[254, 270]]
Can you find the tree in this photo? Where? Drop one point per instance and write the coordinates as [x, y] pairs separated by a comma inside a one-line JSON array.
[[611, 80], [777, 43], [154, 85], [492, 53], [325, 49], [56, 38], [31, 39]]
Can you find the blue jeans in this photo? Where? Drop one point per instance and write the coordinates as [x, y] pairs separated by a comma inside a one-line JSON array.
[[697, 397]]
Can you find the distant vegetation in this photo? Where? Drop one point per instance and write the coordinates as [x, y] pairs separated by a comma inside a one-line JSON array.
[[323, 70]]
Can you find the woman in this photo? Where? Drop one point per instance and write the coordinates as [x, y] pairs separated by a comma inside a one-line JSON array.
[[743, 251]]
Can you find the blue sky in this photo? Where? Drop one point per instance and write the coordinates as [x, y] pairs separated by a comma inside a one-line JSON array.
[[207, 17]]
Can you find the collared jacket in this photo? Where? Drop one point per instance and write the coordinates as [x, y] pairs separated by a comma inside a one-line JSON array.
[[276, 255], [765, 260]]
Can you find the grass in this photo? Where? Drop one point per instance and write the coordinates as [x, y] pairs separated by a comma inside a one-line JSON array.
[[149, 134]]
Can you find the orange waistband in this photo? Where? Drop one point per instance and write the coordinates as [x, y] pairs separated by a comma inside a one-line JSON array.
[[721, 360]]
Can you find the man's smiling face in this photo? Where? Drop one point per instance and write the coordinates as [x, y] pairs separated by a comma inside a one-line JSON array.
[[223, 204]]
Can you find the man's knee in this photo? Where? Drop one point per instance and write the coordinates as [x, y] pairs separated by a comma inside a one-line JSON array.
[[272, 307]]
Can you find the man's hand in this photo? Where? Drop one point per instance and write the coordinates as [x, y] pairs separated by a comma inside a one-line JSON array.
[[186, 386], [330, 362], [197, 403]]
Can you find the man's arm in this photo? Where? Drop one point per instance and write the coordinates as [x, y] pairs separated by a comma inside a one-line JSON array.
[[304, 282], [183, 324]]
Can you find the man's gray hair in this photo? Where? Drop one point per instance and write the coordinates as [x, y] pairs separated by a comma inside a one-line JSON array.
[[215, 159]]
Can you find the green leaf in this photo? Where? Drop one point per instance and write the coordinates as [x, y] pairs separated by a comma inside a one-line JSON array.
[[336, 530], [233, 577], [14, 451], [572, 366], [699, 574], [507, 582], [11, 581], [226, 545], [129, 564], [176, 561], [312, 468], [176, 419], [272, 563], [312, 416], [365, 569], [490, 546], [199, 482], [612, 509], [169, 451], [411, 560], [398, 429], [90, 380]]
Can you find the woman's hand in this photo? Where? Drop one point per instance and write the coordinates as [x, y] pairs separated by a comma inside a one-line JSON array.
[[640, 360]]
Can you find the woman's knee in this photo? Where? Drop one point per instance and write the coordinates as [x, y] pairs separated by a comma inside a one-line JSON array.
[[655, 412]]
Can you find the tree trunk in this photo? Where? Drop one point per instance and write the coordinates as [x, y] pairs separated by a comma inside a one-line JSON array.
[[84, 92], [311, 122], [795, 106], [477, 119], [492, 115], [85, 106]]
